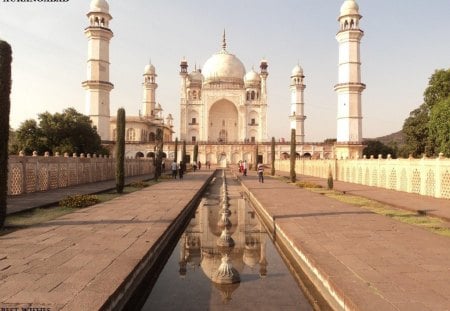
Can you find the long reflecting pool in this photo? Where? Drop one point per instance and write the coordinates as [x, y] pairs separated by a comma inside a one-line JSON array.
[[225, 261]]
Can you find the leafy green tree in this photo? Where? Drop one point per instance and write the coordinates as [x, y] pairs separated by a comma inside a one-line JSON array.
[[439, 127], [376, 147], [120, 150], [416, 128], [31, 138], [13, 144], [5, 105], [69, 131], [438, 88]]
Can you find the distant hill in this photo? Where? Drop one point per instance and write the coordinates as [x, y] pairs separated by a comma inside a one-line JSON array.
[[396, 137]]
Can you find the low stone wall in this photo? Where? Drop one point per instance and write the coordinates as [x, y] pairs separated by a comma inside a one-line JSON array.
[[429, 177], [28, 174]]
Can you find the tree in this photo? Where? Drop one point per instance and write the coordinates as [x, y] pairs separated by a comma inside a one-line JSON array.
[[31, 138], [293, 157], [69, 131], [183, 152], [272, 156], [439, 127], [416, 128], [5, 106], [438, 88], [158, 152], [176, 150], [120, 150], [256, 157], [195, 152], [13, 144], [376, 147]]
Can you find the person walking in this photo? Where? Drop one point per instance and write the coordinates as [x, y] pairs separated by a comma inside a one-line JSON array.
[[244, 168], [181, 170], [174, 170], [260, 169], [199, 165]]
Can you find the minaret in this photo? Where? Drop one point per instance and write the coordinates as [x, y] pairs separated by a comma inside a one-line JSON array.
[[149, 88], [97, 85], [263, 74], [297, 116], [184, 99], [349, 87]]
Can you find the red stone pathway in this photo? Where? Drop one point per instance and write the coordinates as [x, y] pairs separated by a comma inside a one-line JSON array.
[[371, 261], [76, 262]]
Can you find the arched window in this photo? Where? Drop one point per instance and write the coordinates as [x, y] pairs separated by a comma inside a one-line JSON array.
[[248, 95], [345, 24], [96, 22], [194, 94], [253, 95], [257, 95], [131, 134], [152, 137], [102, 22], [352, 24]]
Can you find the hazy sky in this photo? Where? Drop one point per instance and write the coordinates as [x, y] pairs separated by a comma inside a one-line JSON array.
[[404, 42]]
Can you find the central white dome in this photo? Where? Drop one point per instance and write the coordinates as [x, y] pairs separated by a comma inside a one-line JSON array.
[[223, 67]]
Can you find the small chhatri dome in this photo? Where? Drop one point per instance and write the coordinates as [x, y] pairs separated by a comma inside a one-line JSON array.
[[252, 76], [149, 69], [297, 71], [349, 7], [196, 75], [99, 6]]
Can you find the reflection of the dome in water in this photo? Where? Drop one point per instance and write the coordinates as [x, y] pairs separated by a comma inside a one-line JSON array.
[[241, 242], [221, 259]]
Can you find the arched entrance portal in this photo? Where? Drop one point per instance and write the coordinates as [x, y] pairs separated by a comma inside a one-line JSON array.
[[223, 122]]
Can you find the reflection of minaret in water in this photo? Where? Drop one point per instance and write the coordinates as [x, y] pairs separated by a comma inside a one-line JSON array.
[[225, 274], [182, 262], [263, 261]]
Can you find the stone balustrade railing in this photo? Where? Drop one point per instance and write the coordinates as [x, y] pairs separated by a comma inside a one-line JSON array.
[[28, 174], [430, 177]]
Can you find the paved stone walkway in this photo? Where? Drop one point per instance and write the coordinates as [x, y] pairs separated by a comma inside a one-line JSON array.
[[77, 261], [370, 261], [32, 200]]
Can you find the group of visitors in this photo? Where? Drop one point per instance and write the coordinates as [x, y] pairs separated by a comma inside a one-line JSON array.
[[243, 168], [179, 169], [195, 165]]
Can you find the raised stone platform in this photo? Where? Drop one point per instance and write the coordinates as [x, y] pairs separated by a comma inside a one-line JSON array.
[[359, 260], [91, 259]]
